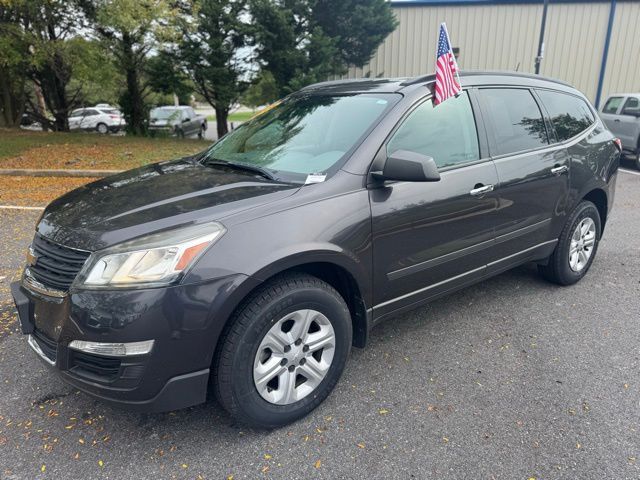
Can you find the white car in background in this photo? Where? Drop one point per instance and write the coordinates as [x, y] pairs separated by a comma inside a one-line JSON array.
[[102, 120]]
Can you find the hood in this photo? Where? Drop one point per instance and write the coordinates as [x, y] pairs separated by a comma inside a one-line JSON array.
[[161, 123], [153, 198]]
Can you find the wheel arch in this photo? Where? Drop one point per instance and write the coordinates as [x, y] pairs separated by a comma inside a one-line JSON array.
[[339, 272], [598, 197]]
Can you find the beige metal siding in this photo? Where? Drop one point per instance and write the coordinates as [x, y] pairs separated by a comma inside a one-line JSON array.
[[505, 37], [574, 41], [489, 37], [623, 64]]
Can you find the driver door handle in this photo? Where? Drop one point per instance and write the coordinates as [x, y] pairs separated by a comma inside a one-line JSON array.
[[559, 170], [481, 190]]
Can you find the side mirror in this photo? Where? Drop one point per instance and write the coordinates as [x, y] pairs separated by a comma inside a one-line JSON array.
[[406, 166]]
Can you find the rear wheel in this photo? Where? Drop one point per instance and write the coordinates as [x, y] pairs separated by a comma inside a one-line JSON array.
[[576, 248], [283, 351], [102, 128], [637, 159]]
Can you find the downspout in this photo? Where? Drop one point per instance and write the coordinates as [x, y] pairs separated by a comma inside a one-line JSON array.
[[541, 41], [605, 53]]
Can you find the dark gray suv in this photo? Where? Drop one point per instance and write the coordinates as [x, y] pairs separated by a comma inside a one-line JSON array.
[[252, 268]]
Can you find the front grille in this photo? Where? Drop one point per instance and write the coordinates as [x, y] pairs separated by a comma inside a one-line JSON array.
[[94, 366], [56, 266], [48, 346]]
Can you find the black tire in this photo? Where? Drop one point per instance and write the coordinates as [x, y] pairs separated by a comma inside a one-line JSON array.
[[234, 360], [557, 269], [637, 160], [179, 133], [201, 133], [102, 128]]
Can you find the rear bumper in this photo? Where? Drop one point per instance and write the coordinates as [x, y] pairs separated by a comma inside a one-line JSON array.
[[184, 321]]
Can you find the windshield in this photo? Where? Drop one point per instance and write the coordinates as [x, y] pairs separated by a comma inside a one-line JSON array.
[[164, 113], [303, 135]]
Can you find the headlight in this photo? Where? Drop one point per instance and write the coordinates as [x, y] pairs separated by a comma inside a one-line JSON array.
[[155, 259]]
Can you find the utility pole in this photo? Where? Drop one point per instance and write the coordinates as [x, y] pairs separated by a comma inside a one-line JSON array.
[[541, 42]]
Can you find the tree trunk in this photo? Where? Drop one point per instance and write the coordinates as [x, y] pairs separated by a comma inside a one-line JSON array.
[[12, 99], [133, 103], [221, 120]]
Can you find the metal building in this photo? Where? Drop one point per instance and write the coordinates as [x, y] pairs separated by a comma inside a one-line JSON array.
[[594, 45]]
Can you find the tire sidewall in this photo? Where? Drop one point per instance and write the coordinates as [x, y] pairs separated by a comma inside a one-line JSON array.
[[568, 276], [106, 128], [247, 397]]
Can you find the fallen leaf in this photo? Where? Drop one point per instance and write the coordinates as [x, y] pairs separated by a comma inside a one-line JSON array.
[[100, 463], [383, 411], [43, 468], [360, 445], [318, 464], [267, 456]]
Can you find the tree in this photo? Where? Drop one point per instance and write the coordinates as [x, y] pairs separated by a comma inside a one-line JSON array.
[[213, 52], [13, 66], [262, 91], [39, 44], [130, 29], [167, 78], [304, 41]]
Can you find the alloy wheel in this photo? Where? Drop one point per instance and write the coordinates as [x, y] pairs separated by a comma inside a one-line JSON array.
[[583, 242]]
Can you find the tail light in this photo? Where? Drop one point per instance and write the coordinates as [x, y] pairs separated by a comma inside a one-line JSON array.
[[114, 117], [618, 143]]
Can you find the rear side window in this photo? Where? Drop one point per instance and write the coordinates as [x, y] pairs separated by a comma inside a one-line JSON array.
[[516, 120], [446, 132], [569, 115], [632, 103], [612, 105]]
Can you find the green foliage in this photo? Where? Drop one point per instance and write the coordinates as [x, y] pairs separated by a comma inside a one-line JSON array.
[[130, 29], [214, 40], [166, 78], [262, 92], [305, 41]]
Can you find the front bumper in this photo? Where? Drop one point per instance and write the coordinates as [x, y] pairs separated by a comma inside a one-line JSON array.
[[184, 321]]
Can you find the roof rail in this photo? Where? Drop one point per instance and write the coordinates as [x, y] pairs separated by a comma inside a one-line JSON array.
[[469, 73]]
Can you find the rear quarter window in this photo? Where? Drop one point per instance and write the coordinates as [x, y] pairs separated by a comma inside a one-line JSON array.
[[570, 115]]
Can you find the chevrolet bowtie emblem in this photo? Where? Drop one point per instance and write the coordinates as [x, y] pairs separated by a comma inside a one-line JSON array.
[[32, 258]]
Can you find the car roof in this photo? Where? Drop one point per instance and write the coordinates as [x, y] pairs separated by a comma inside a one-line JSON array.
[[471, 78]]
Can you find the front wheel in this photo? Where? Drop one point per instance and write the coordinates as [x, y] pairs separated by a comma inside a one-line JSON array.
[[576, 248], [637, 160], [283, 351]]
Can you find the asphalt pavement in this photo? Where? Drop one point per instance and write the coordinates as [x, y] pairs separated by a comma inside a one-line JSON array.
[[513, 378]]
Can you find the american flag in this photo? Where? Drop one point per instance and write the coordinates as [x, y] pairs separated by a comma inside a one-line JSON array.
[[447, 81]]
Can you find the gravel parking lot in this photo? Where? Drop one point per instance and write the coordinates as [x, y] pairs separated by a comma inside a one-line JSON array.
[[510, 379]]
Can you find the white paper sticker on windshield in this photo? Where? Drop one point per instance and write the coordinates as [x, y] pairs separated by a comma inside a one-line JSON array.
[[315, 178]]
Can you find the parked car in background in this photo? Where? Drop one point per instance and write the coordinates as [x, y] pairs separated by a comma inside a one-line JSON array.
[[181, 121], [621, 113], [102, 120], [254, 266]]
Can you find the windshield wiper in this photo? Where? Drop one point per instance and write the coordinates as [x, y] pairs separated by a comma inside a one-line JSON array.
[[242, 166]]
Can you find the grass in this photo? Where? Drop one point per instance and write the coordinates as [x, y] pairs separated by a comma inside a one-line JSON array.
[[235, 117], [29, 149]]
